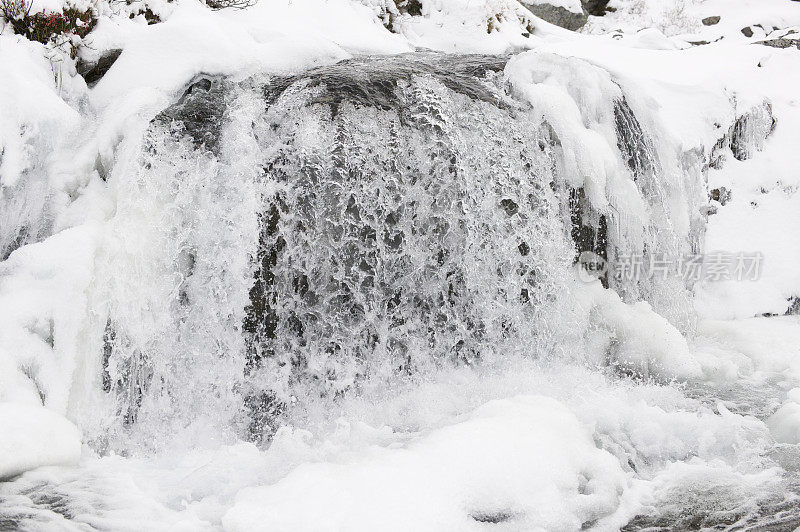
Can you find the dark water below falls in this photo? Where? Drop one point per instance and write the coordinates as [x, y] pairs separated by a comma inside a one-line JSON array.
[[372, 221]]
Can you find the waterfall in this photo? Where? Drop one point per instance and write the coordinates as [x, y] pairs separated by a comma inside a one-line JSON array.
[[284, 239]]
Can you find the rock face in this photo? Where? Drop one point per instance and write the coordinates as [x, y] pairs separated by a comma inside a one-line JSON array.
[[558, 15], [93, 72]]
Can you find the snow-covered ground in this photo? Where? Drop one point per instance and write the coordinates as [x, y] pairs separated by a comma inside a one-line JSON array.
[[693, 422]]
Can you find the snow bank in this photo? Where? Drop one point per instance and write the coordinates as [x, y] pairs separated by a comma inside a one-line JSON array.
[[34, 120], [526, 462], [763, 213], [461, 26], [683, 18], [274, 37], [32, 437], [44, 308]]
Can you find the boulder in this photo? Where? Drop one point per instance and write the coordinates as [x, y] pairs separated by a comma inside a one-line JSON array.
[[710, 21], [556, 14], [782, 42]]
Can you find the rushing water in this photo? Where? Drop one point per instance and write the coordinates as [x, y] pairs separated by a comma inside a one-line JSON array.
[[284, 242]]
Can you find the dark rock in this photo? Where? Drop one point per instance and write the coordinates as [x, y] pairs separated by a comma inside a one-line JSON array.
[[199, 112], [635, 147], [589, 229], [747, 32], [150, 16], [93, 72], [782, 42], [558, 15], [721, 194], [710, 21], [510, 206], [597, 8], [750, 130], [412, 7], [343, 82]]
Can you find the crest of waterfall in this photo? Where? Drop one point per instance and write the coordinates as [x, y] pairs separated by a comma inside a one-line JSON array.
[[285, 239]]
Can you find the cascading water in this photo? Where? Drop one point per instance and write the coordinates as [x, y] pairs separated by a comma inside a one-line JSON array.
[[281, 243], [365, 221]]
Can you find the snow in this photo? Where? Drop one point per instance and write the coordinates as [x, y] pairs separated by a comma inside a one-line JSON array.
[[275, 37], [683, 18], [34, 437], [43, 308], [637, 416], [525, 460]]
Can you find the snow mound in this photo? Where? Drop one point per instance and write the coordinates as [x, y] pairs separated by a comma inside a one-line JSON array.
[[784, 425], [526, 462], [34, 437]]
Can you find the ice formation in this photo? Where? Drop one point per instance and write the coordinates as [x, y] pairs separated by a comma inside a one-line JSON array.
[[333, 281]]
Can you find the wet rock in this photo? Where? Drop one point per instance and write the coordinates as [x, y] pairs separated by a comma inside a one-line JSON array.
[[589, 229], [633, 144], [710, 21], [558, 15], [199, 112], [341, 82], [93, 72]]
